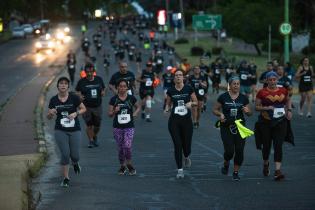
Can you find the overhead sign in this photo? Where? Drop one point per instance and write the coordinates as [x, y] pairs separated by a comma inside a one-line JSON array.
[[285, 28], [207, 22], [1, 25]]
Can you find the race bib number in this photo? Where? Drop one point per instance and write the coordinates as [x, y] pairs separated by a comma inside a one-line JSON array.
[[71, 66], [228, 71], [148, 83], [278, 112], [233, 112], [201, 92], [94, 93], [279, 85], [243, 76], [217, 71], [123, 118], [159, 61], [307, 78], [181, 109], [129, 92], [67, 123], [168, 81]]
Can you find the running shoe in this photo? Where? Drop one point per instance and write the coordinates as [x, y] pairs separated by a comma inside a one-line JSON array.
[[308, 115], [225, 169], [235, 176], [77, 168], [300, 111], [278, 175], [95, 142], [90, 144], [266, 170], [122, 170], [187, 162], [148, 120], [195, 125], [142, 115], [180, 173], [132, 171], [65, 182]]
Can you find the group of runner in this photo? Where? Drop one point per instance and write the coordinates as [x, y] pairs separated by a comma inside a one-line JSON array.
[[185, 92]]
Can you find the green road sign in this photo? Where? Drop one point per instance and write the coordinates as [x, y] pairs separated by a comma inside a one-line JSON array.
[[207, 22], [285, 28]]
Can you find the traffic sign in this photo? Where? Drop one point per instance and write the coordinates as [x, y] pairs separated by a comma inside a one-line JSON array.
[[207, 22], [285, 28]]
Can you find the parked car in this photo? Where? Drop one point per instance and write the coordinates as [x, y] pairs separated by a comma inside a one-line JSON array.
[[18, 32], [28, 28]]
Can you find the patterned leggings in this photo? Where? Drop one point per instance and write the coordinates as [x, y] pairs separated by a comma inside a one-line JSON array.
[[124, 137]]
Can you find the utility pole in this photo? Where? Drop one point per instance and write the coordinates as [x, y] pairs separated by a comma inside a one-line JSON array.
[[183, 16], [269, 43], [286, 37], [167, 15], [41, 9]]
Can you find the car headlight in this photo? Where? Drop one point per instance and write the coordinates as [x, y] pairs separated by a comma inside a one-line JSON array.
[[67, 29], [38, 45], [37, 31], [60, 35]]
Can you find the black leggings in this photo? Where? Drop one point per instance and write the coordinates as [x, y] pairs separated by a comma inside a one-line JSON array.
[[273, 135], [181, 130], [233, 143]]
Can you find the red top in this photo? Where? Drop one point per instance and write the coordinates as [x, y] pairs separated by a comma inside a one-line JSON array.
[[275, 98]]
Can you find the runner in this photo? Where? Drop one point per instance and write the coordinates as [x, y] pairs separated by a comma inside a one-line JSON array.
[[199, 85], [271, 129], [123, 73], [216, 68], [181, 98], [66, 107], [91, 89], [121, 108], [245, 78], [262, 78], [71, 62], [253, 80], [146, 91], [305, 74], [168, 81], [231, 106]]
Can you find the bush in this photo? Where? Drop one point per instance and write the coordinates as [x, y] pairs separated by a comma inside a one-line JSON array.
[[309, 49], [217, 50], [276, 46], [197, 51], [181, 41]]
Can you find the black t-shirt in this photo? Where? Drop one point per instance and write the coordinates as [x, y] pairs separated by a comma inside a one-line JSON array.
[[63, 110], [284, 82], [91, 90], [149, 78], [216, 72], [244, 76], [204, 70], [179, 99], [123, 118], [232, 109], [195, 84], [168, 80], [129, 76]]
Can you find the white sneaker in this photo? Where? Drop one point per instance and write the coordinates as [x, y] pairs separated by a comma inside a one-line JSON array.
[[308, 115], [187, 162], [180, 173], [300, 111]]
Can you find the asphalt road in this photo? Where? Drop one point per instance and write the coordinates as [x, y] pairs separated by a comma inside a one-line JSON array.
[[155, 186]]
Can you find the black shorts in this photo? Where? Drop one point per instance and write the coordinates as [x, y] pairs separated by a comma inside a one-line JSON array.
[[93, 116], [305, 87], [144, 93]]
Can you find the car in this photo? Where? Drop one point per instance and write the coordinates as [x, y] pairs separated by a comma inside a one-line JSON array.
[[45, 42], [64, 27], [18, 32], [28, 28]]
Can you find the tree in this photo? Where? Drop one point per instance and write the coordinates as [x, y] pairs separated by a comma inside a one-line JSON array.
[[249, 20]]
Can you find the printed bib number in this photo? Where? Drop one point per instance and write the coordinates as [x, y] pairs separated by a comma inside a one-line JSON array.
[[71, 66], [279, 85], [233, 112], [129, 92], [67, 123], [244, 77], [123, 118], [159, 61], [307, 78], [148, 83], [278, 112], [217, 71], [94, 93], [168, 81], [201, 92], [228, 71], [181, 110]]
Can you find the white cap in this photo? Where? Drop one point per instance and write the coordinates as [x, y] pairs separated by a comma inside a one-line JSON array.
[[169, 68]]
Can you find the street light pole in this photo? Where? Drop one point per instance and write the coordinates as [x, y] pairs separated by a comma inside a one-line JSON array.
[[183, 16], [286, 37]]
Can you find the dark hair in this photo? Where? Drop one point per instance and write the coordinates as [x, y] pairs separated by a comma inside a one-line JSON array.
[[120, 81], [179, 70], [63, 79], [88, 66], [302, 60]]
